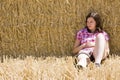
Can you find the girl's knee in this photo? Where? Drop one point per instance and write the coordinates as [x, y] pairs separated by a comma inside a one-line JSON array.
[[81, 56], [100, 35]]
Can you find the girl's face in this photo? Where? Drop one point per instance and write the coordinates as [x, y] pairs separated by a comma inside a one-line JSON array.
[[91, 24]]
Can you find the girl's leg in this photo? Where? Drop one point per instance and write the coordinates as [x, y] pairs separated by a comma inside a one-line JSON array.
[[99, 48], [82, 60]]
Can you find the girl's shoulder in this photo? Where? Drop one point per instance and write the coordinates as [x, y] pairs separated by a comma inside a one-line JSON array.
[[104, 32], [81, 33], [106, 35], [83, 30]]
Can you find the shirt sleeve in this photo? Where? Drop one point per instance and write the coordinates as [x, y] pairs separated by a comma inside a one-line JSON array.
[[79, 35], [106, 36]]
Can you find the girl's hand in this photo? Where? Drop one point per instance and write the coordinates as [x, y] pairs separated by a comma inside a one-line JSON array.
[[89, 44]]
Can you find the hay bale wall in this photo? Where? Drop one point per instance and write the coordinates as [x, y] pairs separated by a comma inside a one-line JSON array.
[[48, 27]]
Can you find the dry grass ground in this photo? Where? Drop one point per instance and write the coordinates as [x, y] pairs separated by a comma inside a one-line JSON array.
[[53, 68]]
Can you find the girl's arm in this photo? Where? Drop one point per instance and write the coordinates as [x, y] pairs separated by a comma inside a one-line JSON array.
[[107, 47], [77, 47]]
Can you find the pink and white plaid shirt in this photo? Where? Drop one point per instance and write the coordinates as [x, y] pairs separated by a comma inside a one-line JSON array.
[[85, 36]]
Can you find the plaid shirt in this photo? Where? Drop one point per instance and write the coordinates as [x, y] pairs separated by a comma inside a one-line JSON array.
[[85, 36]]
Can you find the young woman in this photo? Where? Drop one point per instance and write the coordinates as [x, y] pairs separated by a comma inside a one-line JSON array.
[[91, 41]]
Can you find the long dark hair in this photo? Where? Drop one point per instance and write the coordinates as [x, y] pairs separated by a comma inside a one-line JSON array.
[[97, 18]]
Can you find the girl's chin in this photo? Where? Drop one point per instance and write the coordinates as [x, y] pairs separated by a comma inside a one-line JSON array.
[[90, 29]]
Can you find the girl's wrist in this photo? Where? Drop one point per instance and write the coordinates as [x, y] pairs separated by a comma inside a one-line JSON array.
[[83, 45]]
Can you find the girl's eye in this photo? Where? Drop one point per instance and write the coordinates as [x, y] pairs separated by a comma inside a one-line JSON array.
[[90, 22]]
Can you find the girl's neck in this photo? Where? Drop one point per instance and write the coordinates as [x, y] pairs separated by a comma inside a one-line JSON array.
[[91, 31]]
